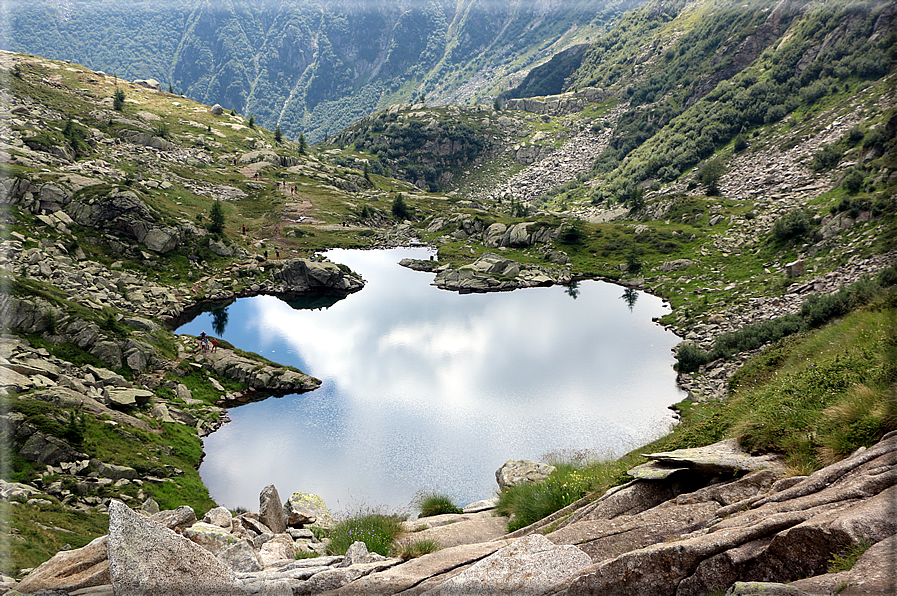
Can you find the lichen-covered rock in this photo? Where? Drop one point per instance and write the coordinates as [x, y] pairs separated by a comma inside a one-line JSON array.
[[310, 505], [523, 471], [211, 537]]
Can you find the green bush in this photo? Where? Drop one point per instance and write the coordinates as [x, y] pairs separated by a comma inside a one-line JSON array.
[[793, 225], [826, 158], [690, 357], [753, 336], [887, 277], [853, 181], [821, 308], [216, 218]]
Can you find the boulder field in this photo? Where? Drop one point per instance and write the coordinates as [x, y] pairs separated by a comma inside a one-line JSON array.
[[691, 522]]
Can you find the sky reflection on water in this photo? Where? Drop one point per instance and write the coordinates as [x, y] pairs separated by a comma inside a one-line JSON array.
[[427, 389]]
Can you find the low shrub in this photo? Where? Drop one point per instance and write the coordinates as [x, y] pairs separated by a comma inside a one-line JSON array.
[[793, 225], [691, 357]]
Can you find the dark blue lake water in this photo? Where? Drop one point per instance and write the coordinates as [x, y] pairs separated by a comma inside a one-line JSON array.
[[427, 389]]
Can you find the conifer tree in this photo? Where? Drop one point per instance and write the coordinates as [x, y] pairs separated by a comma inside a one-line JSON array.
[[216, 217]]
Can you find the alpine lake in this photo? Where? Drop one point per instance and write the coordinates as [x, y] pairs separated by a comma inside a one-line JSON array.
[[429, 390]]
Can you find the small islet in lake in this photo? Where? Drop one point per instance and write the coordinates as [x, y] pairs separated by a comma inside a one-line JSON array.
[[425, 389]]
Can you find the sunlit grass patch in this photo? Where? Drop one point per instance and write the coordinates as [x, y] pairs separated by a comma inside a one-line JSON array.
[[375, 528]]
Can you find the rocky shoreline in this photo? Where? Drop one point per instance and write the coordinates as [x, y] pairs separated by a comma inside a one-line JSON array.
[[690, 522]]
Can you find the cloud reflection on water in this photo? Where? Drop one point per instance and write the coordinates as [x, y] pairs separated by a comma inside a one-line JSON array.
[[430, 389]]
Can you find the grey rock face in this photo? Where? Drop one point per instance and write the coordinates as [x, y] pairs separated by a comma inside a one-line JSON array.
[[533, 565], [241, 557], [219, 516], [271, 510], [304, 275], [147, 559], [122, 212], [45, 449]]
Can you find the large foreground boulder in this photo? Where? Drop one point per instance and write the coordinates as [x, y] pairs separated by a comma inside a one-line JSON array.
[[147, 559]]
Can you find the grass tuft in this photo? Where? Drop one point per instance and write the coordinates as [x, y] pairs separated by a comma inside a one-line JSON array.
[[416, 548], [845, 560], [434, 503]]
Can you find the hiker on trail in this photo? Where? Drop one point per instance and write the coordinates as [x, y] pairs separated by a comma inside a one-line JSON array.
[[203, 342], [244, 230], [277, 253], [214, 345], [266, 255]]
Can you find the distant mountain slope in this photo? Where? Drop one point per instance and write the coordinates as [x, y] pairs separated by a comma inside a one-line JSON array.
[[311, 66]]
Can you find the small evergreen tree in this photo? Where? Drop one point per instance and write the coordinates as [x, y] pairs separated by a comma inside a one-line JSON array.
[[251, 121], [118, 100], [303, 146], [367, 172], [75, 429], [216, 218], [400, 209], [170, 89], [278, 135], [710, 174]]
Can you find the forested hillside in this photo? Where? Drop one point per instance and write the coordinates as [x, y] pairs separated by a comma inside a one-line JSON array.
[[307, 66]]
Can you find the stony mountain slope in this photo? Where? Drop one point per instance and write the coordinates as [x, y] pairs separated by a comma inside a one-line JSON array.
[[306, 66]]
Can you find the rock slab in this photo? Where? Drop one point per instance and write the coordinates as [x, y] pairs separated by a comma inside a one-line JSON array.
[[147, 559]]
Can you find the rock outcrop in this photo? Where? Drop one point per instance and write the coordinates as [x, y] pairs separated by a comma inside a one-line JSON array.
[[494, 273]]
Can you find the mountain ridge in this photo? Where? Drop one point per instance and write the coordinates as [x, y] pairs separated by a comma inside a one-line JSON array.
[[308, 67]]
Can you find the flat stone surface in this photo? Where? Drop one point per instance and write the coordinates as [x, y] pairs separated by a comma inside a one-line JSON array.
[[413, 572], [532, 565], [718, 458], [457, 529]]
